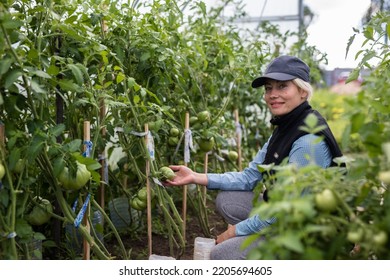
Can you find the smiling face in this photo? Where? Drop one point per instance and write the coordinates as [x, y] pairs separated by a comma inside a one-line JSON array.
[[283, 96]]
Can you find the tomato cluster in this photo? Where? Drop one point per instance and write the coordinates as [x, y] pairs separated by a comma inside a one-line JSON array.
[[139, 201]]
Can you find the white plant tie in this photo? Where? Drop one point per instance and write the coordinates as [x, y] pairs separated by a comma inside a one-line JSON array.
[[150, 145], [188, 145], [238, 132]]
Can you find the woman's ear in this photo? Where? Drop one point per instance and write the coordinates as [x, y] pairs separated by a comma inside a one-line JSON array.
[[304, 94]]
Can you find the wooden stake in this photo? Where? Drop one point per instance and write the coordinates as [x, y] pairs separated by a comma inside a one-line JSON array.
[[103, 160], [148, 191], [238, 140], [185, 188], [86, 246], [206, 161]]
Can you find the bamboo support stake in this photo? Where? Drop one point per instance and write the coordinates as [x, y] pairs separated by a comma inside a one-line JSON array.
[[185, 188], [103, 160], [204, 190], [86, 246], [238, 139], [148, 191]]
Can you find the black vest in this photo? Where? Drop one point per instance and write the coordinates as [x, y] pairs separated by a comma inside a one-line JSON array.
[[288, 130]]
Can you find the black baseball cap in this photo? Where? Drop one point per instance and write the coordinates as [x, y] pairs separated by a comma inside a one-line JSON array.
[[284, 68]]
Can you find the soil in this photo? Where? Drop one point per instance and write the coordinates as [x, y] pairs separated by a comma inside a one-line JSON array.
[[138, 247]]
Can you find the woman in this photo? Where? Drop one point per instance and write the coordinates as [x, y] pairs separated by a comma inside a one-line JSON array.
[[287, 92]]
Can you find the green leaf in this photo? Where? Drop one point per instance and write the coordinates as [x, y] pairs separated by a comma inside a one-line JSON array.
[[357, 120], [78, 75], [292, 242], [136, 99], [42, 74], [388, 30], [57, 130], [120, 77], [12, 24], [353, 76], [350, 41], [11, 78], [69, 85], [37, 88], [369, 32], [23, 229], [5, 64], [36, 146], [53, 70], [73, 146], [58, 165], [130, 82], [14, 156]]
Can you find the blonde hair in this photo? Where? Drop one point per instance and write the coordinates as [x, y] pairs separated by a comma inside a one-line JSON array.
[[305, 86]]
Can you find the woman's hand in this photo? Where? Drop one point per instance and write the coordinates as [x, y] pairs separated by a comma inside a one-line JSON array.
[[227, 234], [185, 176]]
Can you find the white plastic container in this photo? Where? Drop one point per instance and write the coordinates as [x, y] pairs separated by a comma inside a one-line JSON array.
[[202, 248], [154, 257]]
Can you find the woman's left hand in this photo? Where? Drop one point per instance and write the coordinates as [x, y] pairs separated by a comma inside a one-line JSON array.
[[229, 233]]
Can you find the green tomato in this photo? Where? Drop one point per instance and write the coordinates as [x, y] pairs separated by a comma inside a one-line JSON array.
[[19, 166], [204, 116], [233, 155], [174, 132], [380, 238], [2, 171], [193, 120], [326, 200], [75, 183], [40, 214], [206, 144], [384, 176], [137, 204], [143, 194], [355, 236], [166, 173], [155, 126], [173, 141]]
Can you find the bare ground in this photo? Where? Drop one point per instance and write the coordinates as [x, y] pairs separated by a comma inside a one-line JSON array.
[[138, 246]]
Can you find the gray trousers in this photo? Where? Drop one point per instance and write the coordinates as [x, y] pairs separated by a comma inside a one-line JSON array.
[[233, 206]]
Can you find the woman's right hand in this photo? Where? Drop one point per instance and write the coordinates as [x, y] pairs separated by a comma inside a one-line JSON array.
[[185, 176]]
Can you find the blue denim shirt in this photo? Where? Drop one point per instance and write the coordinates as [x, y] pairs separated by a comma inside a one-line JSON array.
[[305, 148]]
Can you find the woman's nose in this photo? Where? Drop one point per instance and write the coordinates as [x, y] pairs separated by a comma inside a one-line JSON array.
[[273, 93]]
